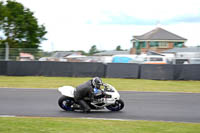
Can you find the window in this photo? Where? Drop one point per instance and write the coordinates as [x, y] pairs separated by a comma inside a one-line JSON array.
[[159, 44], [178, 44], [142, 44], [153, 44], [156, 59], [137, 45], [163, 45]]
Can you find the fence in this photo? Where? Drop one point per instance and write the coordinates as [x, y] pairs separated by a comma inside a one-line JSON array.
[[16, 54], [36, 68], [111, 70]]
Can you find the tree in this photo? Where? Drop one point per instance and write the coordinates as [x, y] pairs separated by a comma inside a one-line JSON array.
[[93, 50], [19, 27], [118, 48]]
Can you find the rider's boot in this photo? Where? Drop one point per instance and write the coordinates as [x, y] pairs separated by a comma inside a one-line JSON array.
[[84, 106]]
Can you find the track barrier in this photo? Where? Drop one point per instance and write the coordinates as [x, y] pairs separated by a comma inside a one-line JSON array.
[[110, 70]]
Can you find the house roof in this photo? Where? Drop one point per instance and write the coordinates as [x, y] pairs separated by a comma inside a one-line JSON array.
[[60, 54], [110, 53], [189, 49], [159, 34]]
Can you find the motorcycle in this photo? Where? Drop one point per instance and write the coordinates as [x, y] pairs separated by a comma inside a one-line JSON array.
[[109, 98]]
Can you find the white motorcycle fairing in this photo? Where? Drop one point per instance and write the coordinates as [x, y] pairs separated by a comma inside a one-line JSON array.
[[114, 93], [67, 91]]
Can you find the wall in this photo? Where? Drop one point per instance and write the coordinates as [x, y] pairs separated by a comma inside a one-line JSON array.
[[122, 70], [3, 68], [68, 69], [111, 70]]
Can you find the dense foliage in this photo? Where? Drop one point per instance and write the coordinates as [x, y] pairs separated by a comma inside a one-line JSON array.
[[18, 26]]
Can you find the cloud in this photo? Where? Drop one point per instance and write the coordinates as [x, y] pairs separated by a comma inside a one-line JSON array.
[[124, 19], [80, 24], [184, 19], [127, 20]]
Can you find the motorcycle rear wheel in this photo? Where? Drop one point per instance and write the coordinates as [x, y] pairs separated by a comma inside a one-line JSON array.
[[119, 105], [65, 103]]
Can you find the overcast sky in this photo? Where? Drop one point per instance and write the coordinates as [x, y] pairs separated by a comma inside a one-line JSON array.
[[79, 24]]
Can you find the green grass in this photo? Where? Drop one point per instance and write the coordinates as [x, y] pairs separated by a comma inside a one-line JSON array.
[[69, 125], [120, 84]]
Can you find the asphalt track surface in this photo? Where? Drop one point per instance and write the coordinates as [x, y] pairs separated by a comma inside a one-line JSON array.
[[156, 106]]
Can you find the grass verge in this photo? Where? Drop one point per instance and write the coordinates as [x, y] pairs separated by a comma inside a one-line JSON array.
[[70, 125], [120, 84]]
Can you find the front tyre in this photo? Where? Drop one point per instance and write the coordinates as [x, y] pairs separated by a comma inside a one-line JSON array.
[[66, 103], [119, 105]]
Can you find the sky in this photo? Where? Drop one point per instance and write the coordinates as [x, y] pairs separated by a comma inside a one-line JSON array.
[[80, 24]]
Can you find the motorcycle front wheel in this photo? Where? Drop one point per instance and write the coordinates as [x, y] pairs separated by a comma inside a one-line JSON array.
[[119, 105], [66, 103]]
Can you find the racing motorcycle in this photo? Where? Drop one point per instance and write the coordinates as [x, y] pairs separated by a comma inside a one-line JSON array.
[[109, 98]]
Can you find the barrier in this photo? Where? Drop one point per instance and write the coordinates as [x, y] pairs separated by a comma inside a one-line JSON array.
[[3, 68], [111, 70], [68, 69], [16, 68], [122, 70], [157, 71], [86, 69], [187, 72], [62, 69]]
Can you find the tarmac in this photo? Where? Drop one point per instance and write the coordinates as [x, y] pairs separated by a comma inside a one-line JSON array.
[[154, 106]]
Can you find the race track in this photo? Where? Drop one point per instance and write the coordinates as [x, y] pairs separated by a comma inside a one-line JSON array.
[[179, 107]]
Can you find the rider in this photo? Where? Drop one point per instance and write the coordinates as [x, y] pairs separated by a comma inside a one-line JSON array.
[[88, 89]]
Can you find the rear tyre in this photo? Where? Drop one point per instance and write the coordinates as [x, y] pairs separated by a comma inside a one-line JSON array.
[[66, 103], [119, 105]]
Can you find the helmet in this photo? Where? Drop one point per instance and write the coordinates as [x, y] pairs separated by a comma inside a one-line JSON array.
[[97, 82]]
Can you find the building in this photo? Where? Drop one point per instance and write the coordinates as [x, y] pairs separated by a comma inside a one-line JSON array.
[[26, 57], [191, 55], [187, 52], [63, 56], [111, 53], [157, 40], [108, 56]]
